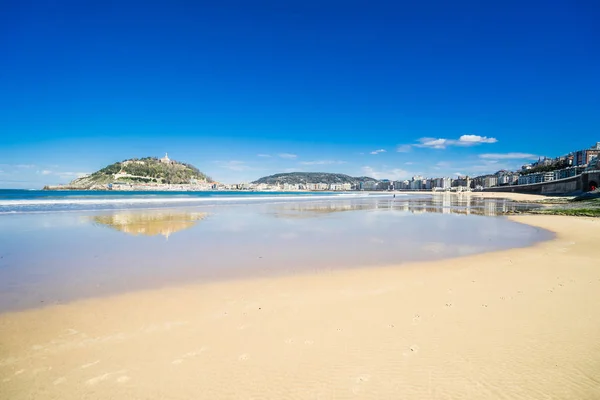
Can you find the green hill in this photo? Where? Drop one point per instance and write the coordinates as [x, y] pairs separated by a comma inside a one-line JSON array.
[[150, 170], [294, 178]]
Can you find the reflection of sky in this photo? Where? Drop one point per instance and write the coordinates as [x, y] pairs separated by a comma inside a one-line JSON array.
[[60, 256]]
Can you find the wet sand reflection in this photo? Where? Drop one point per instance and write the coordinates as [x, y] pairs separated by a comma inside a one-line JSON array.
[[150, 223]]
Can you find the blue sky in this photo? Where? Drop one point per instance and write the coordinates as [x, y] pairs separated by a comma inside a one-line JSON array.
[[246, 89]]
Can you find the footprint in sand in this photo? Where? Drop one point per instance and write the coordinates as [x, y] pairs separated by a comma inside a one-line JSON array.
[[243, 357], [189, 355], [289, 341], [416, 319], [123, 379], [448, 305], [360, 381], [19, 372], [412, 350], [84, 366], [308, 342], [103, 377], [60, 380]]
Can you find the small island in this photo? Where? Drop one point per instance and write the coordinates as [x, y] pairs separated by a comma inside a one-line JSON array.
[[149, 173]]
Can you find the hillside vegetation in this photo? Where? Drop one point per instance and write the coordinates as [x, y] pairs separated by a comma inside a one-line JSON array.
[[144, 170], [295, 178]]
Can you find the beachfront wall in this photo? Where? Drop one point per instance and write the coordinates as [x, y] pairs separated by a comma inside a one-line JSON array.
[[574, 184]]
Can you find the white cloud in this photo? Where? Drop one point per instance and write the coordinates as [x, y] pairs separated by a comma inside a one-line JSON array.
[[459, 174], [392, 174], [288, 170], [263, 155], [46, 172], [409, 163], [471, 140], [507, 156], [464, 140], [404, 148], [432, 143], [378, 151], [287, 155], [322, 162]]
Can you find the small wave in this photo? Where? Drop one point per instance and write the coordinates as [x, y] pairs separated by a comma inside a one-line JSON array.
[[166, 200]]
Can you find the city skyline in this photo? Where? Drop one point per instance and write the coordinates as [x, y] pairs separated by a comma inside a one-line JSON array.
[[384, 90]]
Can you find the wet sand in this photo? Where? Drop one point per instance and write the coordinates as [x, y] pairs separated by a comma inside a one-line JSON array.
[[515, 324], [511, 196]]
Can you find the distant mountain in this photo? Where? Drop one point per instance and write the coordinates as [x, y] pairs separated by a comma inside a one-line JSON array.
[[294, 178], [149, 170]]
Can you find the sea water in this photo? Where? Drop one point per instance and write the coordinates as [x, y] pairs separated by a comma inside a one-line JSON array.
[[58, 247]]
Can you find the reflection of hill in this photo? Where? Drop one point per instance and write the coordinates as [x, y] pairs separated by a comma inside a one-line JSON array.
[[150, 223]]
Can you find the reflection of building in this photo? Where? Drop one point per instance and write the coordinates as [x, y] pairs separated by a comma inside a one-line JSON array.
[[150, 223]]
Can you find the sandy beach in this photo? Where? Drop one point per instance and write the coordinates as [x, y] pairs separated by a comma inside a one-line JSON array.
[[516, 324]]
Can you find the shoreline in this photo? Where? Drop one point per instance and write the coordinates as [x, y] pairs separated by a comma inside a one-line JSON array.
[[519, 323]]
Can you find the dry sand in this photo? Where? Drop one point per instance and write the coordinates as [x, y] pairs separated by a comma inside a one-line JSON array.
[[516, 324]]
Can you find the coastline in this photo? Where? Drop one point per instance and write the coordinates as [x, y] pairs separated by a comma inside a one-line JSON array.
[[519, 323]]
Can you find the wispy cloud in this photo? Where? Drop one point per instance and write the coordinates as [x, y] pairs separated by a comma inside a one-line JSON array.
[[263, 155], [287, 155], [233, 165], [409, 163], [507, 156], [464, 140], [393, 174], [432, 143], [322, 162], [18, 166], [63, 174], [378, 151], [404, 148]]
